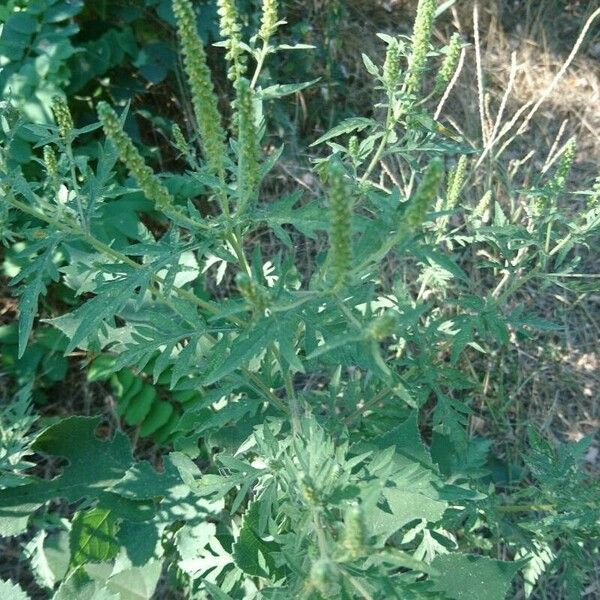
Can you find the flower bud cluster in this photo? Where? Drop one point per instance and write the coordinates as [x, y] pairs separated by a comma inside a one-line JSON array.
[[420, 43], [231, 32], [354, 531], [146, 179], [391, 66], [325, 578], [249, 168], [340, 234], [559, 181], [254, 295], [383, 326], [204, 99], [425, 195], [449, 64], [62, 115], [455, 183], [51, 163], [268, 21]]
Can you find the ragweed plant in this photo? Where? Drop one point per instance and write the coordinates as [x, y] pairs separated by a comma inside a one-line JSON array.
[[312, 414]]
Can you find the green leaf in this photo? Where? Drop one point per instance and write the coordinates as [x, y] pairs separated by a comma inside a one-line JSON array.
[[36, 274], [201, 553], [94, 464], [93, 537], [251, 553], [468, 577], [79, 585], [242, 349], [346, 126], [11, 591], [280, 90]]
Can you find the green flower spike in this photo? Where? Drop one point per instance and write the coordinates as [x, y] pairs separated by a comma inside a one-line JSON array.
[[420, 43], [340, 234], [391, 66], [149, 183], [425, 195], [51, 163], [354, 531], [455, 183], [204, 99], [231, 32], [62, 115], [249, 170], [449, 64], [268, 21]]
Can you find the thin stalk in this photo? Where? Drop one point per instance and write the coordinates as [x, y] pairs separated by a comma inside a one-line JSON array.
[[389, 123], [69, 152]]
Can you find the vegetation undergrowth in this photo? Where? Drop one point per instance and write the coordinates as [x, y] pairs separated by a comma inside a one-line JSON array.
[[314, 422]]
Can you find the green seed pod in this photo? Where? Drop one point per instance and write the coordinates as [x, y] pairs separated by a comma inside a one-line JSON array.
[[204, 99], [455, 183], [449, 64], [268, 20], [254, 295], [420, 44], [354, 531], [249, 169], [340, 234], [383, 326], [391, 66], [51, 163], [231, 32], [425, 195], [325, 578], [62, 115], [129, 155]]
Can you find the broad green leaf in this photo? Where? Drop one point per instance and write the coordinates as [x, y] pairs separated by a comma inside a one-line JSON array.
[[137, 583], [251, 553], [79, 585], [94, 464], [93, 537], [468, 577]]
